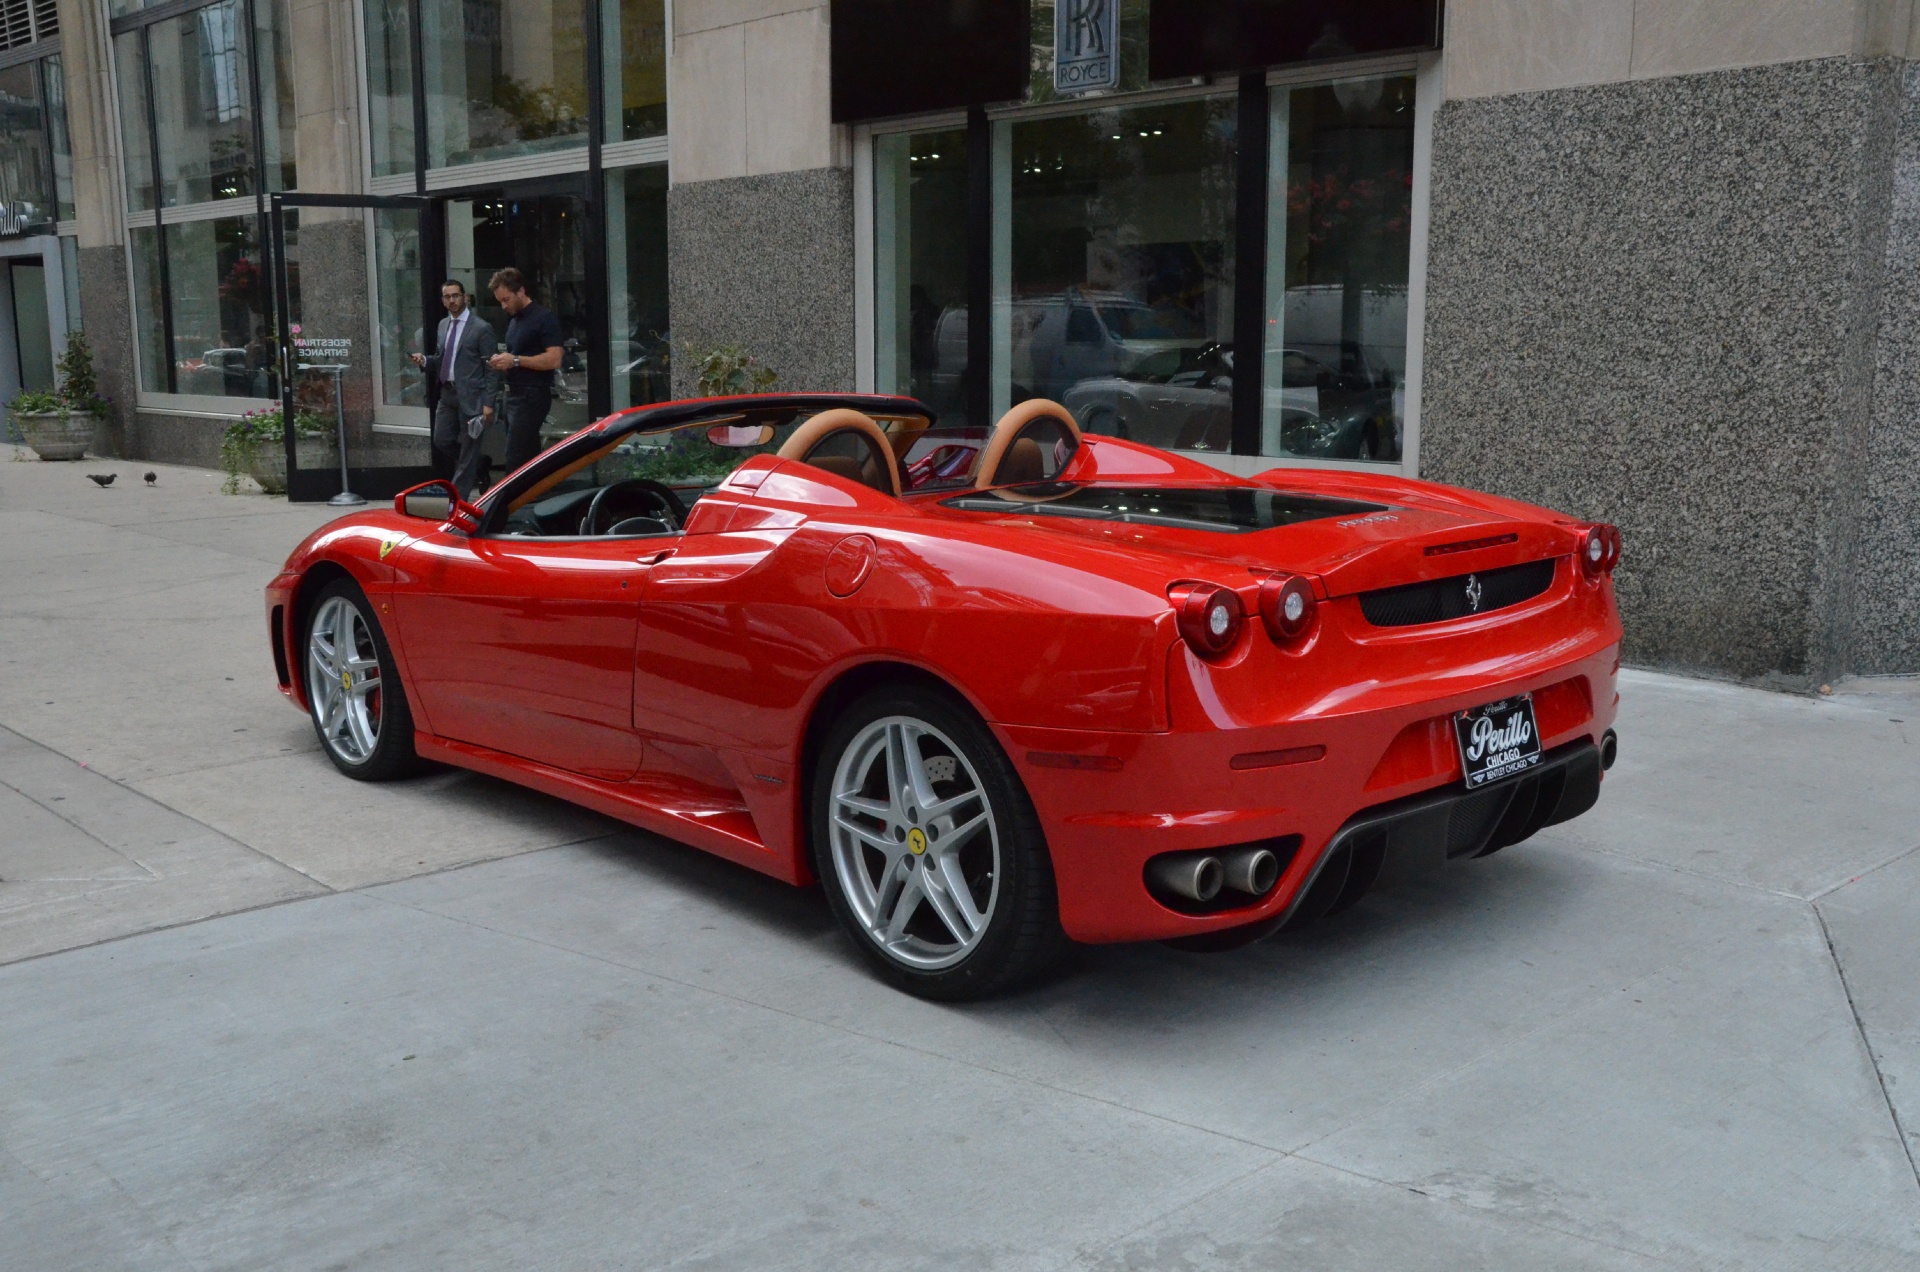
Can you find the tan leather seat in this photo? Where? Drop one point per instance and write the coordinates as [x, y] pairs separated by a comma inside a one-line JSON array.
[[813, 443], [1016, 451]]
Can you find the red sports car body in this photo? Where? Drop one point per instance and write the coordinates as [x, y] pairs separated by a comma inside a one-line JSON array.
[[814, 634]]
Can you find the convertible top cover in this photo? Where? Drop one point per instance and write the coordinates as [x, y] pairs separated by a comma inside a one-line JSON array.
[[1232, 510]]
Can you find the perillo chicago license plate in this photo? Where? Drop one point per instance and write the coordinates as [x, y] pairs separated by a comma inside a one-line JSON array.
[[1497, 740]]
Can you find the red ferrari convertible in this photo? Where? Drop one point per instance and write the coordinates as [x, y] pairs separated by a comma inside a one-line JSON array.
[[994, 688]]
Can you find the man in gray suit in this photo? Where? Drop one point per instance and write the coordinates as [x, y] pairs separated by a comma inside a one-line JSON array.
[[468, 386]]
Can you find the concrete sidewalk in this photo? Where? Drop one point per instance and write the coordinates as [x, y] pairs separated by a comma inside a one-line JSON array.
[[450, 1023]]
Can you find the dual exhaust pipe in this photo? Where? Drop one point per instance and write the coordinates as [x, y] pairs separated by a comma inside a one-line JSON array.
[[1201, 876]]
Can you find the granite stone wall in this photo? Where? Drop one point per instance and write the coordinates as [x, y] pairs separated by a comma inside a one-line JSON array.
[[765, 262], [1886, 594], [106, 318], [1657, 303]]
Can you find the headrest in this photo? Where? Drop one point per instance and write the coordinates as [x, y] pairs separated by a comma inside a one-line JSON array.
[[815, 441], [1043, 424]]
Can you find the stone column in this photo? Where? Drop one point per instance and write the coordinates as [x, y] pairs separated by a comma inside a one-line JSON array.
[[100, 202], [760, 213], [1669, 286]]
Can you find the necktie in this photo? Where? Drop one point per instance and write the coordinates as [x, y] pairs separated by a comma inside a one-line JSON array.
[[451, 353]]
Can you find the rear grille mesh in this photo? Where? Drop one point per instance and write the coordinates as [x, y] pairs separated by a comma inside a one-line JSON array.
[[1457, 597]]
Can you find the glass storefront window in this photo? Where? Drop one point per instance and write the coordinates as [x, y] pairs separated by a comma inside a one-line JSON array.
[[397, 265], [136, 146], [201, 104], [638, 336], [920, 268], [1340, 218], [26, 163], [390, 85], [53, 78], [222, 309], [636, 80], [504, 78], [149, 304], [1113, 261]]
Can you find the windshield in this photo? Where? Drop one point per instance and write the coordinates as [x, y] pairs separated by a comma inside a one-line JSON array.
[[641, 472]]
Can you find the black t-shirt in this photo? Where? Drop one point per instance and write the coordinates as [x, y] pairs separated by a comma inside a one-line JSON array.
[[532, 332]]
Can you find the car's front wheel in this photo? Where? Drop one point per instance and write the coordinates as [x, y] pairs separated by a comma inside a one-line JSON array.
[[353, 688], [929, 849]]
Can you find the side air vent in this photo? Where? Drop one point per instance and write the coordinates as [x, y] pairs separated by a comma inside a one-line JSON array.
[[1461, 596]]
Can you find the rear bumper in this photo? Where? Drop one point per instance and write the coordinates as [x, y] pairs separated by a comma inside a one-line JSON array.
[[1383, 795]]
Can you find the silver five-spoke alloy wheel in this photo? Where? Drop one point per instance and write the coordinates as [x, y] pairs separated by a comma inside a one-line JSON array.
[[343, 680], [914, 843]]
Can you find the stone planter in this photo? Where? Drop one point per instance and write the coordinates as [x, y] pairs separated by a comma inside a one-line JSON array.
[[53, 435], [269, 466]]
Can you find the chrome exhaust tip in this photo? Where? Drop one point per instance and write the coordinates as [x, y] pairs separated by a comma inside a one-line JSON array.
[[1195, 878], [1251, 870], [1609, 749]]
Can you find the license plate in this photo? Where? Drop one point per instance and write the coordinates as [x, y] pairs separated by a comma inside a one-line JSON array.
[[1497, 740]]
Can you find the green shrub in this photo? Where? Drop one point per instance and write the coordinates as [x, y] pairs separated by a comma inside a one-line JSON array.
[[729, 371]]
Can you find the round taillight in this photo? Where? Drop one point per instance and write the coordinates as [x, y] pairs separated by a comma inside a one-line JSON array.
[[1599, 550], [1593, 551], [1286, 607], [1210, 618]]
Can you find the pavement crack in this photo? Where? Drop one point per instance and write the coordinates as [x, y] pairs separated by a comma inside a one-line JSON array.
[[1870, 870], [1866, 1043]]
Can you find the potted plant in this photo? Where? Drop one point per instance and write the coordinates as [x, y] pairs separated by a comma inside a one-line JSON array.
[[60, 424], [255, 446]]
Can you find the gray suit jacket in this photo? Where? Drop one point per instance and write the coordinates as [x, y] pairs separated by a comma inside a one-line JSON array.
[[476, 383]]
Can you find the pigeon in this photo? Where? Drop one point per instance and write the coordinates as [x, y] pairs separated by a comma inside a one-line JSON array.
[[152, 477], [102, 479]]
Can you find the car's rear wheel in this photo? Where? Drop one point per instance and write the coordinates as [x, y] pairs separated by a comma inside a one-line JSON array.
[[929, 849], [354, 695]]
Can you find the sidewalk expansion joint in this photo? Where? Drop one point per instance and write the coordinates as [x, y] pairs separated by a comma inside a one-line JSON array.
[[1866, 1043]]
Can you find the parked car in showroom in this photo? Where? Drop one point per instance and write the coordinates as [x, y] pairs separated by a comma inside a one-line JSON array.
[[1187, 404], [1049, 687]]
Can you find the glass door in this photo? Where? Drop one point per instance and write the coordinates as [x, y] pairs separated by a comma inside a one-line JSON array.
[[540, 229], [355, 292], [33, 337]]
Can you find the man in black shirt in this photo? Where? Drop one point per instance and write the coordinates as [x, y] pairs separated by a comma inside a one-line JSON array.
[[533, 355]]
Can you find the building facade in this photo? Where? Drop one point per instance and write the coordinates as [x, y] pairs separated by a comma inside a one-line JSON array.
[[1648, 261]]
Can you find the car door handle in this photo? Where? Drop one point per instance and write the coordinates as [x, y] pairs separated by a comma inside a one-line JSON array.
[[654, 558]]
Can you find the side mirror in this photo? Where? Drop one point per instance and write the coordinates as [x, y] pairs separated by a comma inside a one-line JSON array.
[[438, 501]]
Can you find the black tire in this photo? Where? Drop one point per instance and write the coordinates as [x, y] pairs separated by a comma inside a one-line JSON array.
[[391, 755], [1020, 937]]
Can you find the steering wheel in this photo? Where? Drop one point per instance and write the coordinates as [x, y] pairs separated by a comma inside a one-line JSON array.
[[670, 509]]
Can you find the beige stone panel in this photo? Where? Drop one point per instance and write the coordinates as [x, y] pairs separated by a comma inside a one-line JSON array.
[[326, 99], [1892, 28], [789, 113], [1677, 37], [91, 125], [708, 139], [1517, 46], [707, 15]]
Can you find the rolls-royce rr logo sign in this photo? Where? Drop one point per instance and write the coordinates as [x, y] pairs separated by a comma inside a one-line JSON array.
[[1086, 46], [1474, 593]]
